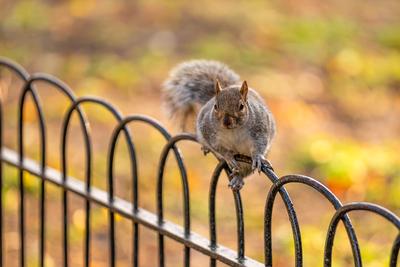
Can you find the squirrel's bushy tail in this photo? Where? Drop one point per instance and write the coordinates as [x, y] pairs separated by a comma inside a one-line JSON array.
[[192, 84]]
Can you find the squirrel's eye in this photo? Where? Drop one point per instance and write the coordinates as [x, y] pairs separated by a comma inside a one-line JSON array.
[[241, 107], [215, 107]]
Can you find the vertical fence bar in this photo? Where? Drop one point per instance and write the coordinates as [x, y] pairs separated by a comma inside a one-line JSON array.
[[87, 228], [135, 245], [21, 202], [240, 225], [21, 188], [394, 254], [211, 208], [65, 224], [42, 220], [111, 222], [42, 188]]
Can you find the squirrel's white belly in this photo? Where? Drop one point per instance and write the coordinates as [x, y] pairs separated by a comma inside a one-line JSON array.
[[237, 140]]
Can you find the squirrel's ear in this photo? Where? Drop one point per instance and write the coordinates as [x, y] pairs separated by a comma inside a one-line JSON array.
[[217, 87], [243, 90]]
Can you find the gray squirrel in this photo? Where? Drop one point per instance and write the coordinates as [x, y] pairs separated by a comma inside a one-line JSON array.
[[232, 118]]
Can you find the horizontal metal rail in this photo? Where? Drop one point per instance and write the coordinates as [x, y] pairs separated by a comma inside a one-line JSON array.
[[125, 209], [131, 210]]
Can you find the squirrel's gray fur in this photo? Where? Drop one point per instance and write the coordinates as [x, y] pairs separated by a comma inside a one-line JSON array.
[[191, 84], [233, 119]]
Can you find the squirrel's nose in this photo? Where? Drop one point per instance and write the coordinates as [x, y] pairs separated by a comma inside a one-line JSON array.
[[227, 121]]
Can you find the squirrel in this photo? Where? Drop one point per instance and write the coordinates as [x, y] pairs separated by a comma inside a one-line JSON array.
[[231, 117]]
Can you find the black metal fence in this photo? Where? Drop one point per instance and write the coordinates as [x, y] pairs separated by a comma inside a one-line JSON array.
[[140, 217]]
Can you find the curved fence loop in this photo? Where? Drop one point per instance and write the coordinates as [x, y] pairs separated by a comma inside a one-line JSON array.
[[42, 130], [212, 216], [88, 178], [29, 88], [118, 117], [122, 124], [114, 138], [23, 75], [160, 178], [67, 91], [388, 215], [110, 181], [54, 81], [267, 169], [185, 191], [293, 222], [323, 190]]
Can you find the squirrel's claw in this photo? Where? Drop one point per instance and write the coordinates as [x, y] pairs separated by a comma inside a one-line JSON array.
[[268, 164], [236, 183], [258, 161], [205, 150]]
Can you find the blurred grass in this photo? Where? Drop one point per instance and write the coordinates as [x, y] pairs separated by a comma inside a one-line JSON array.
[[330, 71]]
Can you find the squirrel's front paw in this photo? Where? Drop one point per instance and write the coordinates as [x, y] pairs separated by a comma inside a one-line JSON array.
[[236, 183], [258, 161], [205, 150]]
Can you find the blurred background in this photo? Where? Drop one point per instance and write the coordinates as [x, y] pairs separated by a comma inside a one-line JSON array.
[[329, 71]]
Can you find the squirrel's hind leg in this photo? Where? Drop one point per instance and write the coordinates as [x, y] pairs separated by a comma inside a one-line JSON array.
[[236, 182]]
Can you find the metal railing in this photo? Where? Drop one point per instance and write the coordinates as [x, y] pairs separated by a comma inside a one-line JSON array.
[[143, 218]]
